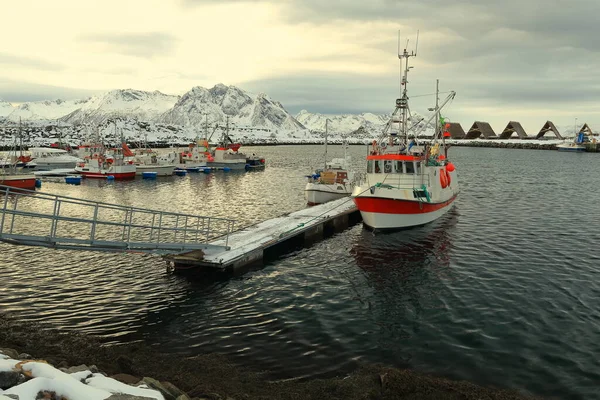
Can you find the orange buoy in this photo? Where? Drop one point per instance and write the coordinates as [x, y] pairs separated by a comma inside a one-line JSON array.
[[442, 157], [448, 178], [443, 179], [450, 167]]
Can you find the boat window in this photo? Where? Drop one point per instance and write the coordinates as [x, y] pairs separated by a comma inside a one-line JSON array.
[[418, 171], [398, 167], [378, 166], [410, 168], [387, 167], [370, 167]]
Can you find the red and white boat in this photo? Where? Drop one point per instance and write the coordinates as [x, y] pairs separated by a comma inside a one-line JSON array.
[[100, 163], [407, 183], [18, 180], [11, 167]]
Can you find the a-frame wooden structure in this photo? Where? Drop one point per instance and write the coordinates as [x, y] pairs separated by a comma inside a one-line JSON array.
[[481, 129], [513, 127], [548, 127]]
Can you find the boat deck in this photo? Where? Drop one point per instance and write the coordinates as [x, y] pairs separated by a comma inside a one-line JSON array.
[[251, 245]]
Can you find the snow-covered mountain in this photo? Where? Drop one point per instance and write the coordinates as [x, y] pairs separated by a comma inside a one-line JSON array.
[[356, 125], [46, 110], [137, 104], [5, 108], [244, 110]]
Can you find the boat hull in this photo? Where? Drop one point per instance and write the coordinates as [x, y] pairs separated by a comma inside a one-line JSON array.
[[161, 170], [45, 166], [318, 193], [102, 175], [231, 165], [572, 149], [20, 182], [387, 214]]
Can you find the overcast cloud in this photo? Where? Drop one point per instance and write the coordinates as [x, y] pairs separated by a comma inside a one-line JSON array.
[[512, 60]]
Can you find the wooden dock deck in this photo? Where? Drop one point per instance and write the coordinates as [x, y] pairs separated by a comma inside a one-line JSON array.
[[271, 238]]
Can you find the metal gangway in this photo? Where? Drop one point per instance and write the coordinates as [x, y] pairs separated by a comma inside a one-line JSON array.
[[40, 219]]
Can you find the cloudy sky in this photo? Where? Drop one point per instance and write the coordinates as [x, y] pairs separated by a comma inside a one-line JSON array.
[[526, 60]]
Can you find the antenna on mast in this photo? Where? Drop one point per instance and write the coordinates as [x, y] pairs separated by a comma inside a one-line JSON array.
[[417, 43]]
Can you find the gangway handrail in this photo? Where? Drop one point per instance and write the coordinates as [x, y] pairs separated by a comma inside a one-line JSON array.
[[150, 230], [4, 189]]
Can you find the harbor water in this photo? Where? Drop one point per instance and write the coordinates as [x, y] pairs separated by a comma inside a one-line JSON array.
[[502, 291]]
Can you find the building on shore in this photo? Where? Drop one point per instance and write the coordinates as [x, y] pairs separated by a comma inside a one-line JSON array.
[[511, 128], [479, 129], [548, 127]]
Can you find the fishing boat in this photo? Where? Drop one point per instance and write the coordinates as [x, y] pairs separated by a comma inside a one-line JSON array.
[[13, 174], [148, 160], [227, 154], [577, 145], [407, 183], [101, 162], [195, 157], [331, 182]]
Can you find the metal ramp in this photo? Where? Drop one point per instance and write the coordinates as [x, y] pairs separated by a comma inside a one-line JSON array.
[[40, 219]]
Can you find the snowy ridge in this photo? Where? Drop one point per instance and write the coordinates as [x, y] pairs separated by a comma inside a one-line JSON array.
[[43, 110], [138, 104], [5, 108], [214, 105]]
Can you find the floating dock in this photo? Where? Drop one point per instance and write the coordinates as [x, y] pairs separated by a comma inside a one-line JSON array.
[[260, 242]]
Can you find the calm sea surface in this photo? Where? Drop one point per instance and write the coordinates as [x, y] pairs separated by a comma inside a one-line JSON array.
[[503, 291]]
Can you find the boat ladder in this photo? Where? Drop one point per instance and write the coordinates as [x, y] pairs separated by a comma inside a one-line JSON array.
[[40, 219]]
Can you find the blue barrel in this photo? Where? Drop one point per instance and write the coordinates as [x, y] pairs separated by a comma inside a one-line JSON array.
[[38, 183], [206, 170], [73, 180], [149, 175], [180, 172], [110, 178], [226, 169], [247, 167]]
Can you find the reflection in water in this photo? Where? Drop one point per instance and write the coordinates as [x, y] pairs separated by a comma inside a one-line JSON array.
[[403, 270]]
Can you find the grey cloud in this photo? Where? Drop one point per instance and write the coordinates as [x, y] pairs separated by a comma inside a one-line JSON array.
[[145, 45], [37, 63], [18, 92]]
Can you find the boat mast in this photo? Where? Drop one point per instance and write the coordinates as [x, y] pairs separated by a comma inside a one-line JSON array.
[[402, 102], [326, 132]]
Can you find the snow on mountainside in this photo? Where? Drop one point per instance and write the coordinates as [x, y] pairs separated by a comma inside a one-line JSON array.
[[44, 110], [244, 109], [133, 103], [357, 125], [5, 108]]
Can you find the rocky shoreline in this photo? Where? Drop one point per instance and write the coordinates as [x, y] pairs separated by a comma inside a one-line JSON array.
[[210, 376]]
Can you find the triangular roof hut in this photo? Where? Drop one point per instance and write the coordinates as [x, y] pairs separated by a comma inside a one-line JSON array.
[[456, 130], [513, 127], [548, 127], [481, 128], [586, 130]]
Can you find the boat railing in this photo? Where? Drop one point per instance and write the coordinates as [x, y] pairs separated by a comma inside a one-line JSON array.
[[42, 219]]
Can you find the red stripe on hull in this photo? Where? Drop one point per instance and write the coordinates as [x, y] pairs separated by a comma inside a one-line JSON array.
[[27, 183], [392, 206], [118, 176]]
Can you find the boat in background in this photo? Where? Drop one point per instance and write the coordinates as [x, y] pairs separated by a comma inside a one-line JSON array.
[[47, 159], [254, 163], [100, 162], [407, 184], [12, 174], [148, 160], [332, 182], [194, 158], [226, 154], [577, 145]]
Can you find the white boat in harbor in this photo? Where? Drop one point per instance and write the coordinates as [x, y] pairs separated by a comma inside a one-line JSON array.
[[332, 182], [407, 184], [227, 154], [47, 159], [577, 145]]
